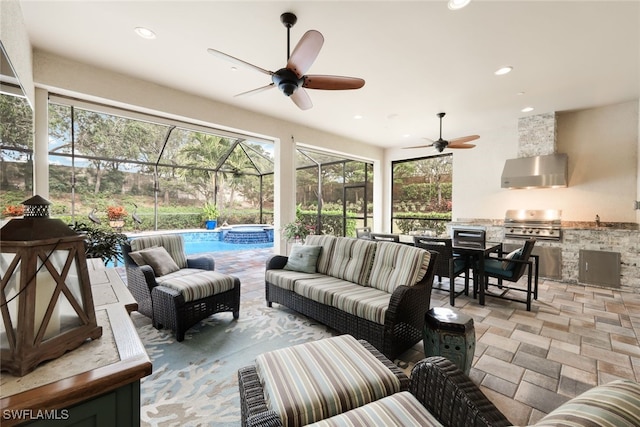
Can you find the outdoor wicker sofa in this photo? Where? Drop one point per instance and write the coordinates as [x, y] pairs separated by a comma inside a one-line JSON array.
[[376, 291], [181, 298]]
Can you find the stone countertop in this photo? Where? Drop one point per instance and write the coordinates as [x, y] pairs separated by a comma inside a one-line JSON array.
[[566, 225], [604, 226]]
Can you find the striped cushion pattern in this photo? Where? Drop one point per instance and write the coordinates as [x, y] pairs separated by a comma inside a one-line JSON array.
[[320, 379], [352, 259], [364, 302], [327, 242], [616, 404], [173, 243], [322, 289], [286, 279], [398, 410], [199, 284], [396, 264]]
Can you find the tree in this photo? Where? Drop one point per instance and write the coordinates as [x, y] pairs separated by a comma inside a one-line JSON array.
[[201, 155], [16, 137]]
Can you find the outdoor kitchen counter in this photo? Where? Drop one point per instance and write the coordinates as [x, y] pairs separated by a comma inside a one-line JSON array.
[[98, 380], [603, 226], [578, 236]]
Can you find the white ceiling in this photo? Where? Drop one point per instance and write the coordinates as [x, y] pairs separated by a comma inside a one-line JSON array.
[[418, 58]]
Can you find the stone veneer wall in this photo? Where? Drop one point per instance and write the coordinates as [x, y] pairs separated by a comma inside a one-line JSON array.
[[537, 135], [626, 242]]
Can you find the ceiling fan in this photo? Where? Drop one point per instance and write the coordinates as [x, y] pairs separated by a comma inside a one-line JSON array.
[[441, 144], [291, 79]]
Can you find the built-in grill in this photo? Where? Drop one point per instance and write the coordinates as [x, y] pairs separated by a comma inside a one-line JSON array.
[[539, 223]]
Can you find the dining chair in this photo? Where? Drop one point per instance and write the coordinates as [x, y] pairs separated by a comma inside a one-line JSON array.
[[385, 237], [469, 237], [447, 264], [363, 232], [511, 268]]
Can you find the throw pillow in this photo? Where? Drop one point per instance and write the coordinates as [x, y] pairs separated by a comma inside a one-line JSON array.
[[136, 256], [303, 258], [506, 265], [160, 260]]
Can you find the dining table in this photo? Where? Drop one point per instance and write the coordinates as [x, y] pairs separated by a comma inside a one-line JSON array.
[[477, 252]]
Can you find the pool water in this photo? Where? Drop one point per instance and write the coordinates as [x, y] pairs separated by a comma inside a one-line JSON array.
[[195, 247], [202, 241]]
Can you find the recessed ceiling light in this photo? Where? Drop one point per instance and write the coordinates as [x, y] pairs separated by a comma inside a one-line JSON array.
[[504, 70], [145, 33], [527, 109], [520, 93], [406, 135], [458, 4], [357, 117]]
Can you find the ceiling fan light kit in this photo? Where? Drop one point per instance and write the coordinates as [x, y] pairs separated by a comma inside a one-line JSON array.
[[291, 79], [458, 4]]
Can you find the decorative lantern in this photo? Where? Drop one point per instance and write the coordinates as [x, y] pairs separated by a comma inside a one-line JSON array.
[[45, 299]]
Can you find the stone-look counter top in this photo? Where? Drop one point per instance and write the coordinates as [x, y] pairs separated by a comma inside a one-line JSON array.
[[591, 225], [567, 225], [115, 359]]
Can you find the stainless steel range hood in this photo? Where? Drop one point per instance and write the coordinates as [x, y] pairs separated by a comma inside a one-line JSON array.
[[536, 172]]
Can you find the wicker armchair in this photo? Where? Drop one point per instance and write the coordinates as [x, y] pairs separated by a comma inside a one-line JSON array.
[[451, 396], [443, 389], [167, 306]]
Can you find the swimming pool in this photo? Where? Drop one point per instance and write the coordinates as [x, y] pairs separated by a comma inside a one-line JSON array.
[[232, 238]]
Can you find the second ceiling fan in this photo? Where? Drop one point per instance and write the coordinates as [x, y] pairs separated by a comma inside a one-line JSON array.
[[291, 79], [440, 144]]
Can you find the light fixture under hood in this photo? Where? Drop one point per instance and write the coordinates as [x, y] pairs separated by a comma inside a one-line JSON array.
[[536, 172]]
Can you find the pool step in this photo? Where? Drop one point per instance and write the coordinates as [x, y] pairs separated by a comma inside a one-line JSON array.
[[246, 237]]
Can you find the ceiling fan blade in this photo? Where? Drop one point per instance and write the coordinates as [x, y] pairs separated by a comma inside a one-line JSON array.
[[463, 139], [257, 90], [237, 61], [332, 82], [418, 146], [301, 98], [305, 52], [461, 146]]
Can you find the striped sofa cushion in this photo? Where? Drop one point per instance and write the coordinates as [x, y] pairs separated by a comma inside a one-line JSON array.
[[400, 410], [173, 243], [363, 301], [616, 404], [198, 284], [396, 264], [317, 380], [322, 289], [286, 279], [351, 259], [327, 242]]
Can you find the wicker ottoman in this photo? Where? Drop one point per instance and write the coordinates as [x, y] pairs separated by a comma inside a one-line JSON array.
[[310, 382], [450, 334]]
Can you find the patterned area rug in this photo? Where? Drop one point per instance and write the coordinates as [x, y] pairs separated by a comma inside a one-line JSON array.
[[194, 382]]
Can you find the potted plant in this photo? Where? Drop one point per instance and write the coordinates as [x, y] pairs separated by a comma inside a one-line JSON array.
[[101, 242], [297, 231], [210, 214], [116, 215]]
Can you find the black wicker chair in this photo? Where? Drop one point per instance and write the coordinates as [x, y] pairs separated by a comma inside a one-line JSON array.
[[166, 306], [451, 396], [448, 265], [441, 387], [385, 237], [363, 232]]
